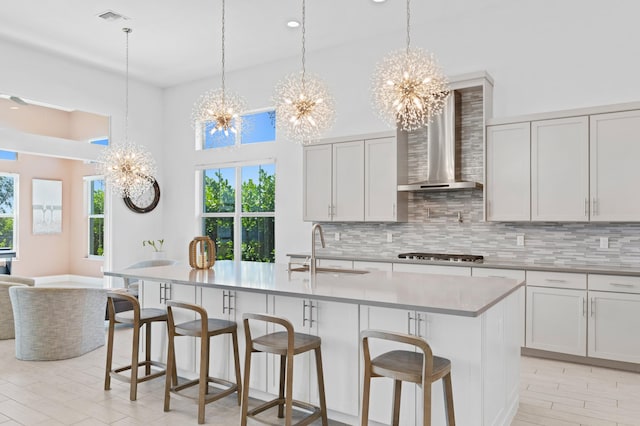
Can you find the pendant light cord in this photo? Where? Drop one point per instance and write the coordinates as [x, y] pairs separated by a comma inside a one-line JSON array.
[[126, 90], [408, 24], [303, 43], [223, 76]]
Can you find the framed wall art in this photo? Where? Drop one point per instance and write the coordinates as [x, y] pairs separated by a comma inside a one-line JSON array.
[[47, 206]]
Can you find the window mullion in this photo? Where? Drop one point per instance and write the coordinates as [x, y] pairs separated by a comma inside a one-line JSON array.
[[237, 221]]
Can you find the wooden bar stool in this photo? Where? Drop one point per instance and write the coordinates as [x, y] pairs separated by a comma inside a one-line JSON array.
[[137, 318], [286, 344], [204, 328], [403, 365]]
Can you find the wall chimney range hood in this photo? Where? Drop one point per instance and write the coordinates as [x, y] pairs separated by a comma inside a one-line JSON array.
[[443, 172]]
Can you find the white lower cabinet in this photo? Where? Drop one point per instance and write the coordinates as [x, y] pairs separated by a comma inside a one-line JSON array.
[[229, 305], [432, 269], [337, 325], [155, 295], [488, 343], [557, 320], [614, 321]]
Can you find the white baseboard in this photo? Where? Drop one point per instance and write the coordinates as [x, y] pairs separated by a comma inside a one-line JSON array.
[[66, 279]]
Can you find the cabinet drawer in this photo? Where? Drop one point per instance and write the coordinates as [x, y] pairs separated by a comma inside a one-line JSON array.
[[617, 283], [335, 263], [557, 279], [372, 266], [432, 269], [498, 273]]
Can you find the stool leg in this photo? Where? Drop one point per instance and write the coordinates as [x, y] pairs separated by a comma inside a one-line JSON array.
[[323, 403], [171, 361], [204, 373], [426, 404], [289, 391], [245, 388], [107, 373], [236, 360], [135, 362], [283, 369], [366, 390], [147, 349], [448, 394], [397, 392]]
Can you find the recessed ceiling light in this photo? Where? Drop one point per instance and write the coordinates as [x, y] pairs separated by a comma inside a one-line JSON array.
[[110, 15], [379, 1], [293, 24], [14, 107]]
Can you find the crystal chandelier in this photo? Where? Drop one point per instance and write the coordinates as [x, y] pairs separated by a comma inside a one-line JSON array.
[[219, 106], [409, 88], [304, 107], [128, 168]]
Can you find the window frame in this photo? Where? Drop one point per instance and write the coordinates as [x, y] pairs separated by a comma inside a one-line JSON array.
[[237, 214], [87, 208], [16, 206], [200, 139]]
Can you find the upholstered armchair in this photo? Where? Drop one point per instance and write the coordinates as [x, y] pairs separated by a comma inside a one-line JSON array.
[[7, 330]]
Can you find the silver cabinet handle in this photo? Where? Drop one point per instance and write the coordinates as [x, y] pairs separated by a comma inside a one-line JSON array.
[[394, 210], [586, 207], [224, 296], [555, 280], [409, 319], [594, 210], [311, 308], [418, 325], [622, 285], [329, 210], [160, 293], [304, 312], [584, 307], [593, 307], [232, 295], [496, 276]]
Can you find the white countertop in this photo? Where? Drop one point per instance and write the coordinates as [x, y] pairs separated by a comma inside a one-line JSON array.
[[448, 294]]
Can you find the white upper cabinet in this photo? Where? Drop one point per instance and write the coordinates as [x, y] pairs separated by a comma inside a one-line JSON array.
[[317, 183], [615, 171], [356, 179], [560, 170], [507, 172], [348, 182]]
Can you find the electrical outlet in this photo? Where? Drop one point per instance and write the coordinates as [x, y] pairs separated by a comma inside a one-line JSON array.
[[336, 236], [604, 242], [520, 240], [389, 237]]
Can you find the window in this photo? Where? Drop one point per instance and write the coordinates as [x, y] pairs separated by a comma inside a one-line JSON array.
[[8, 155], [95, 215], [247, 215], [8, 210], [101, 141], [257, 127]]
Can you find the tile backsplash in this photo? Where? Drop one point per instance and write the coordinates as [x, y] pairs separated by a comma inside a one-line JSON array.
[[433, 224]]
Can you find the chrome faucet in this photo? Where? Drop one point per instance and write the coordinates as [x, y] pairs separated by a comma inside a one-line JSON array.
[[313, 245]]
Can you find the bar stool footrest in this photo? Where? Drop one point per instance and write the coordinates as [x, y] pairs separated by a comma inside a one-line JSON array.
[[230, 388], [117, 372], [313, 415]]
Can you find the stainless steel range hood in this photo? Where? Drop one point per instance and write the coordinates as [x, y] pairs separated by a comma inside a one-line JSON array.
[[443, 172]]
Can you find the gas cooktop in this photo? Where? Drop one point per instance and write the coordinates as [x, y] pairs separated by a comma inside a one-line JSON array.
[[442, 256]]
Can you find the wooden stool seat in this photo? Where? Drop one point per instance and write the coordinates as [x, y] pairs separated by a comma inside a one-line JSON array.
[[203, 328], [420, 367], [286, 344], [277, 343], [146, 315], [407, 366], [137, 317]]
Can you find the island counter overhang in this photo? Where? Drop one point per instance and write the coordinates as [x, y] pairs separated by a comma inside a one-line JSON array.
[[444, 294], [473, 321]]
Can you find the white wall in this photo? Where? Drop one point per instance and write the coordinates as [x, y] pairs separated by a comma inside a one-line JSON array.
[[544, 56], [42, 77]]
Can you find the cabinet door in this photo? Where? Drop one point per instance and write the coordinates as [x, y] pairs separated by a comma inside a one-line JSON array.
[[348, 181], [381, 395], [317, 183], [337, 325], [381, 180], [614, 171], [243, 302], [557, 320], [220, 359], [560, 170], [614, 321], [508, 172]]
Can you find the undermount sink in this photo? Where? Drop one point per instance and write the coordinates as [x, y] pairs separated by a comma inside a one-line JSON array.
[[305, 268]]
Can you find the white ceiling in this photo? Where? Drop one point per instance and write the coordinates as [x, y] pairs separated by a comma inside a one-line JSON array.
[[177, 41]]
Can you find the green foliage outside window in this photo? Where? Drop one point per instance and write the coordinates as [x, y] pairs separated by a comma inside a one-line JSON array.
[[96, 224], [6, 208]]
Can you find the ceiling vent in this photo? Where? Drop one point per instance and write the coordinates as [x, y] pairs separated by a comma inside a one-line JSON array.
[[111, 16]]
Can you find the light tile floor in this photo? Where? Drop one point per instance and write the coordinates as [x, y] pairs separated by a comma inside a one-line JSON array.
[[70, 392]]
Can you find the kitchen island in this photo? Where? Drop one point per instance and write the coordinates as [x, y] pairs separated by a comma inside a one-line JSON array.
[[470, 320]]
